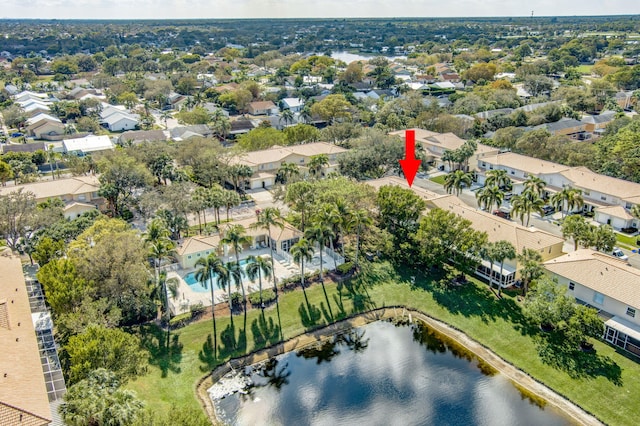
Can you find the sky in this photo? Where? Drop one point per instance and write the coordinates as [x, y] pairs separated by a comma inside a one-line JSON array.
[[202, 9]]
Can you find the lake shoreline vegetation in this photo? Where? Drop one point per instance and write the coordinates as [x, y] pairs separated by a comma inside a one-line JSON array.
[[176, 107]]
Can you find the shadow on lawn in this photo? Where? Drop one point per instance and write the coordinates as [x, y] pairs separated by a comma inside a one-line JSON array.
[[265, 331], [166, 357], [555, 351], [230, 344], [309, 315]]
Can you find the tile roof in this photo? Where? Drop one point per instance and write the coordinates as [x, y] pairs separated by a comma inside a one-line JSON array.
[[616, 211], [527, 164], [600, 272], [57, 188], [582, 177], [22, 386], [279, 153], [499, 229]]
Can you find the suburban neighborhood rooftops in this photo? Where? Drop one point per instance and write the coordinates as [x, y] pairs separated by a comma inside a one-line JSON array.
[[600, 272], [88, 144], [278, 153], [584, 178], [527, 164], [23, 396], [57, 188]]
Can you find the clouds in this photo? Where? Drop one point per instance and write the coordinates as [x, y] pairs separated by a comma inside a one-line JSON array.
[[168, 9]]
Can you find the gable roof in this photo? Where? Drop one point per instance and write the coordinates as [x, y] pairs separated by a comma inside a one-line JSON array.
[[600, 272], [529, 165], [22, 389], [562, 124], [584, 178], [88, 144], [137, 136], [198, 244], [42, 117], [57, 188], [23, 147], [279, 153]]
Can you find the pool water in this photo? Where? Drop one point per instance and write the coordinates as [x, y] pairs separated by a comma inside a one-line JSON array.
[[196, 286]]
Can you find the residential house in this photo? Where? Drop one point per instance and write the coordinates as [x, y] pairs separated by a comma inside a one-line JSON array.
[[118, 119], [451, 77], [625, 100], [608, 284], [23, 147], [611, 199], [485, 115], [265, 163], [23, 395], [598, 123], [41, 125], [293, 104], [82, 190], [383, 94], [135, 137], [262, 108], [436, 144], [242, 125], [498, 229], [575, 129], [87, 145], [182, 133]]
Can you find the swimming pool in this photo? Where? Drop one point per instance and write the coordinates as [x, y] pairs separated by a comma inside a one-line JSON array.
[[196, 286]]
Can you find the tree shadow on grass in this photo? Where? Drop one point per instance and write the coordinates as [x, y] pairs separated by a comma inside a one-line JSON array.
[[556, 352], [207, 355], [309, 315], [265, 331], [166, 357], [357, 292], [230, 343]]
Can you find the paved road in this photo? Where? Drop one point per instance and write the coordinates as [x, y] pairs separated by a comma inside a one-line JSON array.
[[542, 223]]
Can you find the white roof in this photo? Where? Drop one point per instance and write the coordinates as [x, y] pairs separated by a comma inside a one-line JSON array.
[[444, 85], [88, 144], [293, 102]]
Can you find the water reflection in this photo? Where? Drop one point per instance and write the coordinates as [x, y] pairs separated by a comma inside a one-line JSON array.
[[381, 374]]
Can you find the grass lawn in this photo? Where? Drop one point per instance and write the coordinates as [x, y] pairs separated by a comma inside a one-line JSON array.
[[438, 179], [627, 241], [606, 383], [585, 69]]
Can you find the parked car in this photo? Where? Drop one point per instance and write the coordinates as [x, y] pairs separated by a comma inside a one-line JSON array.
[[502, 214], [619, 254], [16, 135], [547, 210]]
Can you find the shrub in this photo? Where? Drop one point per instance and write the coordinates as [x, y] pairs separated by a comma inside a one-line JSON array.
[[268, 296], [345, 268], [197, 310], [180, 320], [236, 299]]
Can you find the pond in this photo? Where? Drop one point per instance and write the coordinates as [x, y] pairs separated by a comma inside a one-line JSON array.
[[382, 374]]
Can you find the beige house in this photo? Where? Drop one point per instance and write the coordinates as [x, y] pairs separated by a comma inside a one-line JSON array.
[[497, 229], [436, 144], [23, 395], [265, 163], [262, 108], [607, 284], [41, 125], [198, 247], [611, 199], [79, 194]]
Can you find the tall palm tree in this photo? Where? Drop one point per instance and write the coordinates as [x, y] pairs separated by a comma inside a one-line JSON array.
[[319, 233], [160, 248], [530, 267], [236, 237], [330, 216], [286, 116], [503, 250], [255, 268], [571, 197], [268, 218], [286, 171], [317, 163], [208, 267], [488, 252], [230, 199], [534, 186], [305, 114], [360, 219], [525, 204], [235, 274], [456, 180], [165, 116], [490, 195], [302, 252], [499, 178], [344, 213]]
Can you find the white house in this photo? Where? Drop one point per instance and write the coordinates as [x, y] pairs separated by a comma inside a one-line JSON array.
[[608, 284], [87, 144], [294, 104]]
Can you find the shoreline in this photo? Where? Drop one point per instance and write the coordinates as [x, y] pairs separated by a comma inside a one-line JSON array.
[[517, 376]]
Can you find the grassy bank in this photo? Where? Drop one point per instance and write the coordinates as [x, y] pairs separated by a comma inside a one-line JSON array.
[[606, 383]]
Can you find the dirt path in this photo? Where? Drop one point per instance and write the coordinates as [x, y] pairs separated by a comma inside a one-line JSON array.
[[527, 382]]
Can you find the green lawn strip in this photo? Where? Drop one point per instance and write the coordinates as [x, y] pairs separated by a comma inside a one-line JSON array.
[[627, 241], [499, 325], [585, 69], [438, 179]]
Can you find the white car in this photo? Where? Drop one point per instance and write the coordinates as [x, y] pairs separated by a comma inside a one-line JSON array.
[[619, 254]]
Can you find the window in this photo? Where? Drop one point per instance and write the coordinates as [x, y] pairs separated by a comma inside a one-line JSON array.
[[628, 206], [484, 164], [571, 285], [586, 192], [189, 257], [603, 198], [631, 312], [513, 172], [598, 298]]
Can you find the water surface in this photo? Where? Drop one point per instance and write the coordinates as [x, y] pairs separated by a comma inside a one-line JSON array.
[[382, 374]]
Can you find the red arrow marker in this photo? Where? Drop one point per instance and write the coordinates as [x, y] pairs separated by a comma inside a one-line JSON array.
[[410, 165]]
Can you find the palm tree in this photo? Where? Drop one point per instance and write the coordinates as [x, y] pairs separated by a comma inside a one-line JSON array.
[[499, 178], [302, 251], [255, 268], [503, 250], [207, 268], [165, 116], [286, 116], [268, 218], [455, 181], [344, 214], [635, 211], [317, 164], [534, 186], [530, 267], [160, 248], [329, 216], [161, 291], [525, 204], [319, 232], [236, 237], [488, 252], [230, 199], [490, 195], [360, 219], [305, 114], [570, 197], [235, 274], [287, 171]]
